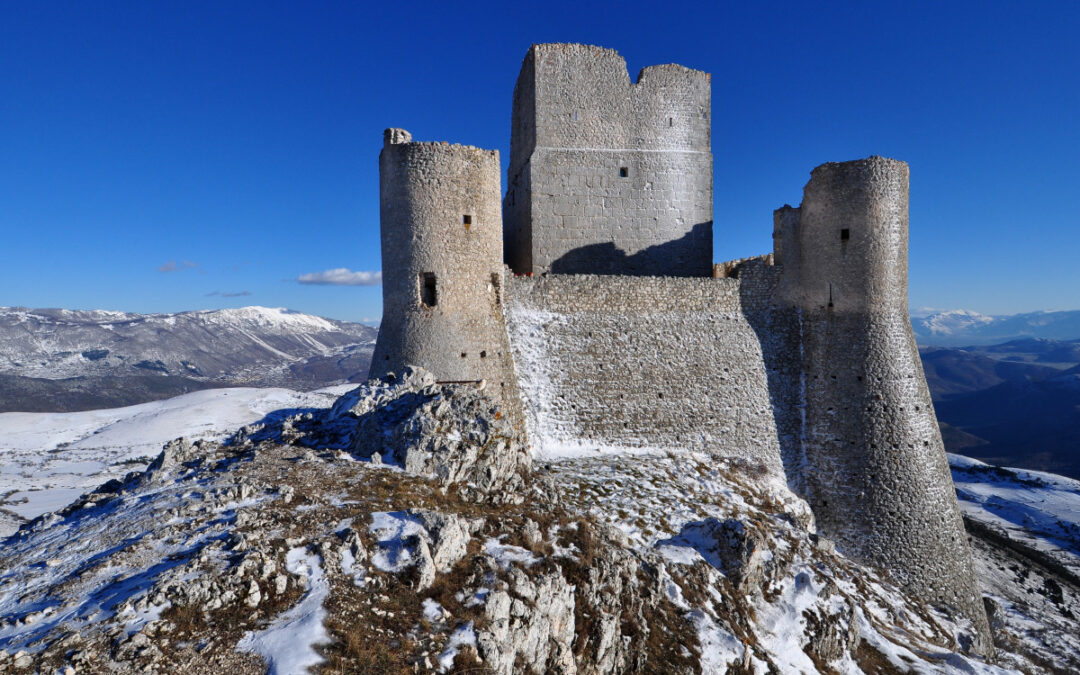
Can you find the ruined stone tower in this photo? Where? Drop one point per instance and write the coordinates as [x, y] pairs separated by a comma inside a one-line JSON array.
[[608, 176], [441, 231], [875, 470]]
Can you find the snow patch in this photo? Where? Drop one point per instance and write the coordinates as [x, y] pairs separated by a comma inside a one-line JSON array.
[[391, 529], [506, 554], [288, 644], [464, 635]]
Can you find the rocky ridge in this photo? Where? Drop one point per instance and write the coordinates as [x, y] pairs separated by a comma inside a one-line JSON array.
[[404, 530]]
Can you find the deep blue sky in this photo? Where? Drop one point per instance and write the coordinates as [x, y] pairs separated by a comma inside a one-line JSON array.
[[238, 143]]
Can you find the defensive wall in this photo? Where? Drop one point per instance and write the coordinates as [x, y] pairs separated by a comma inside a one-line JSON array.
[[608, 176], [628, 362]]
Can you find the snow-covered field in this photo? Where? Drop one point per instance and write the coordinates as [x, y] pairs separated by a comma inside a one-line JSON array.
[[48, 459], [1038, 510]]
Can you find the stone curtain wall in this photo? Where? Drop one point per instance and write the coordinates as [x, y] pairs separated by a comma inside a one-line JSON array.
[[441, 231], [608, 176], [645, 361]]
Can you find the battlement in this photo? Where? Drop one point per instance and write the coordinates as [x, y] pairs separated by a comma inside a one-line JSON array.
[[394, 136]]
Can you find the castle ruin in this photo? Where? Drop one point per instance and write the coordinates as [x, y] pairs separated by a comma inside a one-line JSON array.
[[589, 307]]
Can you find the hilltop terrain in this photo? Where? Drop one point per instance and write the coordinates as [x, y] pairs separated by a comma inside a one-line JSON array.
[[292, 542]]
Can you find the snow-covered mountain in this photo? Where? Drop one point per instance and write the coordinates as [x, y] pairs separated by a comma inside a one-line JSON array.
[[961, 327], [59, 359]]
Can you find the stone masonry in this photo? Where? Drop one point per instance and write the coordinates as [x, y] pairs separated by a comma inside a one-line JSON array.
[[617, 332], [608, 176], [442, 259]]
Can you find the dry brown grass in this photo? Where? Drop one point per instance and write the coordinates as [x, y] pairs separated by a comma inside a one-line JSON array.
[[873, 662]]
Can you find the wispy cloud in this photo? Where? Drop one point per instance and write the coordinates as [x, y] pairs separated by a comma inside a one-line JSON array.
[[341, 276], [225, 294], [173, 266]]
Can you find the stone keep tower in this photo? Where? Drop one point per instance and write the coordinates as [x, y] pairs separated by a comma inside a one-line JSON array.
[[441, 231], [608, 176], [875, 469]]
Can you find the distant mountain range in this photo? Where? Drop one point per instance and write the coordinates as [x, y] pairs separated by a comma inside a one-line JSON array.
[[65, 360], [961, 327], [1013, 404]]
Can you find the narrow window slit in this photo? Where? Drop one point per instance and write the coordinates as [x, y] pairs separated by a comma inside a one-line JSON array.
[[428, 294], [623, 172]]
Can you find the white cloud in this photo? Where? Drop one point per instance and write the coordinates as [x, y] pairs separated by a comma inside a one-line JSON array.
[[341, 276], [226, 294], [173, 266]]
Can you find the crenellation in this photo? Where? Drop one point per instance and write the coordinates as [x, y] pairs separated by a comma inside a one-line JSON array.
[[618, 332]]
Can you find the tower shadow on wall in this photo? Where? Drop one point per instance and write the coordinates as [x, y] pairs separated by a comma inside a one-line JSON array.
[[778, 333], [687, 256]]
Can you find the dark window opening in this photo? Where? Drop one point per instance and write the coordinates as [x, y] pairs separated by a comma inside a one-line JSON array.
[[623, 172], [428, 295], [845, 234], [671, 121], [467, 221], [463, 354], [483, 355]]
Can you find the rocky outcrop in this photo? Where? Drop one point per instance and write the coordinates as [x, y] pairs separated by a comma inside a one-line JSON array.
[[452, 433]]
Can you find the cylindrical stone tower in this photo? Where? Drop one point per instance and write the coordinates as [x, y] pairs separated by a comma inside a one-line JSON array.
[[875, 472], [441, 226]]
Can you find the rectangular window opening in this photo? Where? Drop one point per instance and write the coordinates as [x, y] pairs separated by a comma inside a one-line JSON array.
[[428, 294], [845, 234], [624, 172], [466, 220]]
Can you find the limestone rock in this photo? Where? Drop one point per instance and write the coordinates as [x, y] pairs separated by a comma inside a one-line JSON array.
[[449, 535], [531, 622], [451, 433]]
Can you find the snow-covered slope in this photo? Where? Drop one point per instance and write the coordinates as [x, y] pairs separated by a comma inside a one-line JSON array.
[[230, 347], [1037, 511], [47, 460]]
